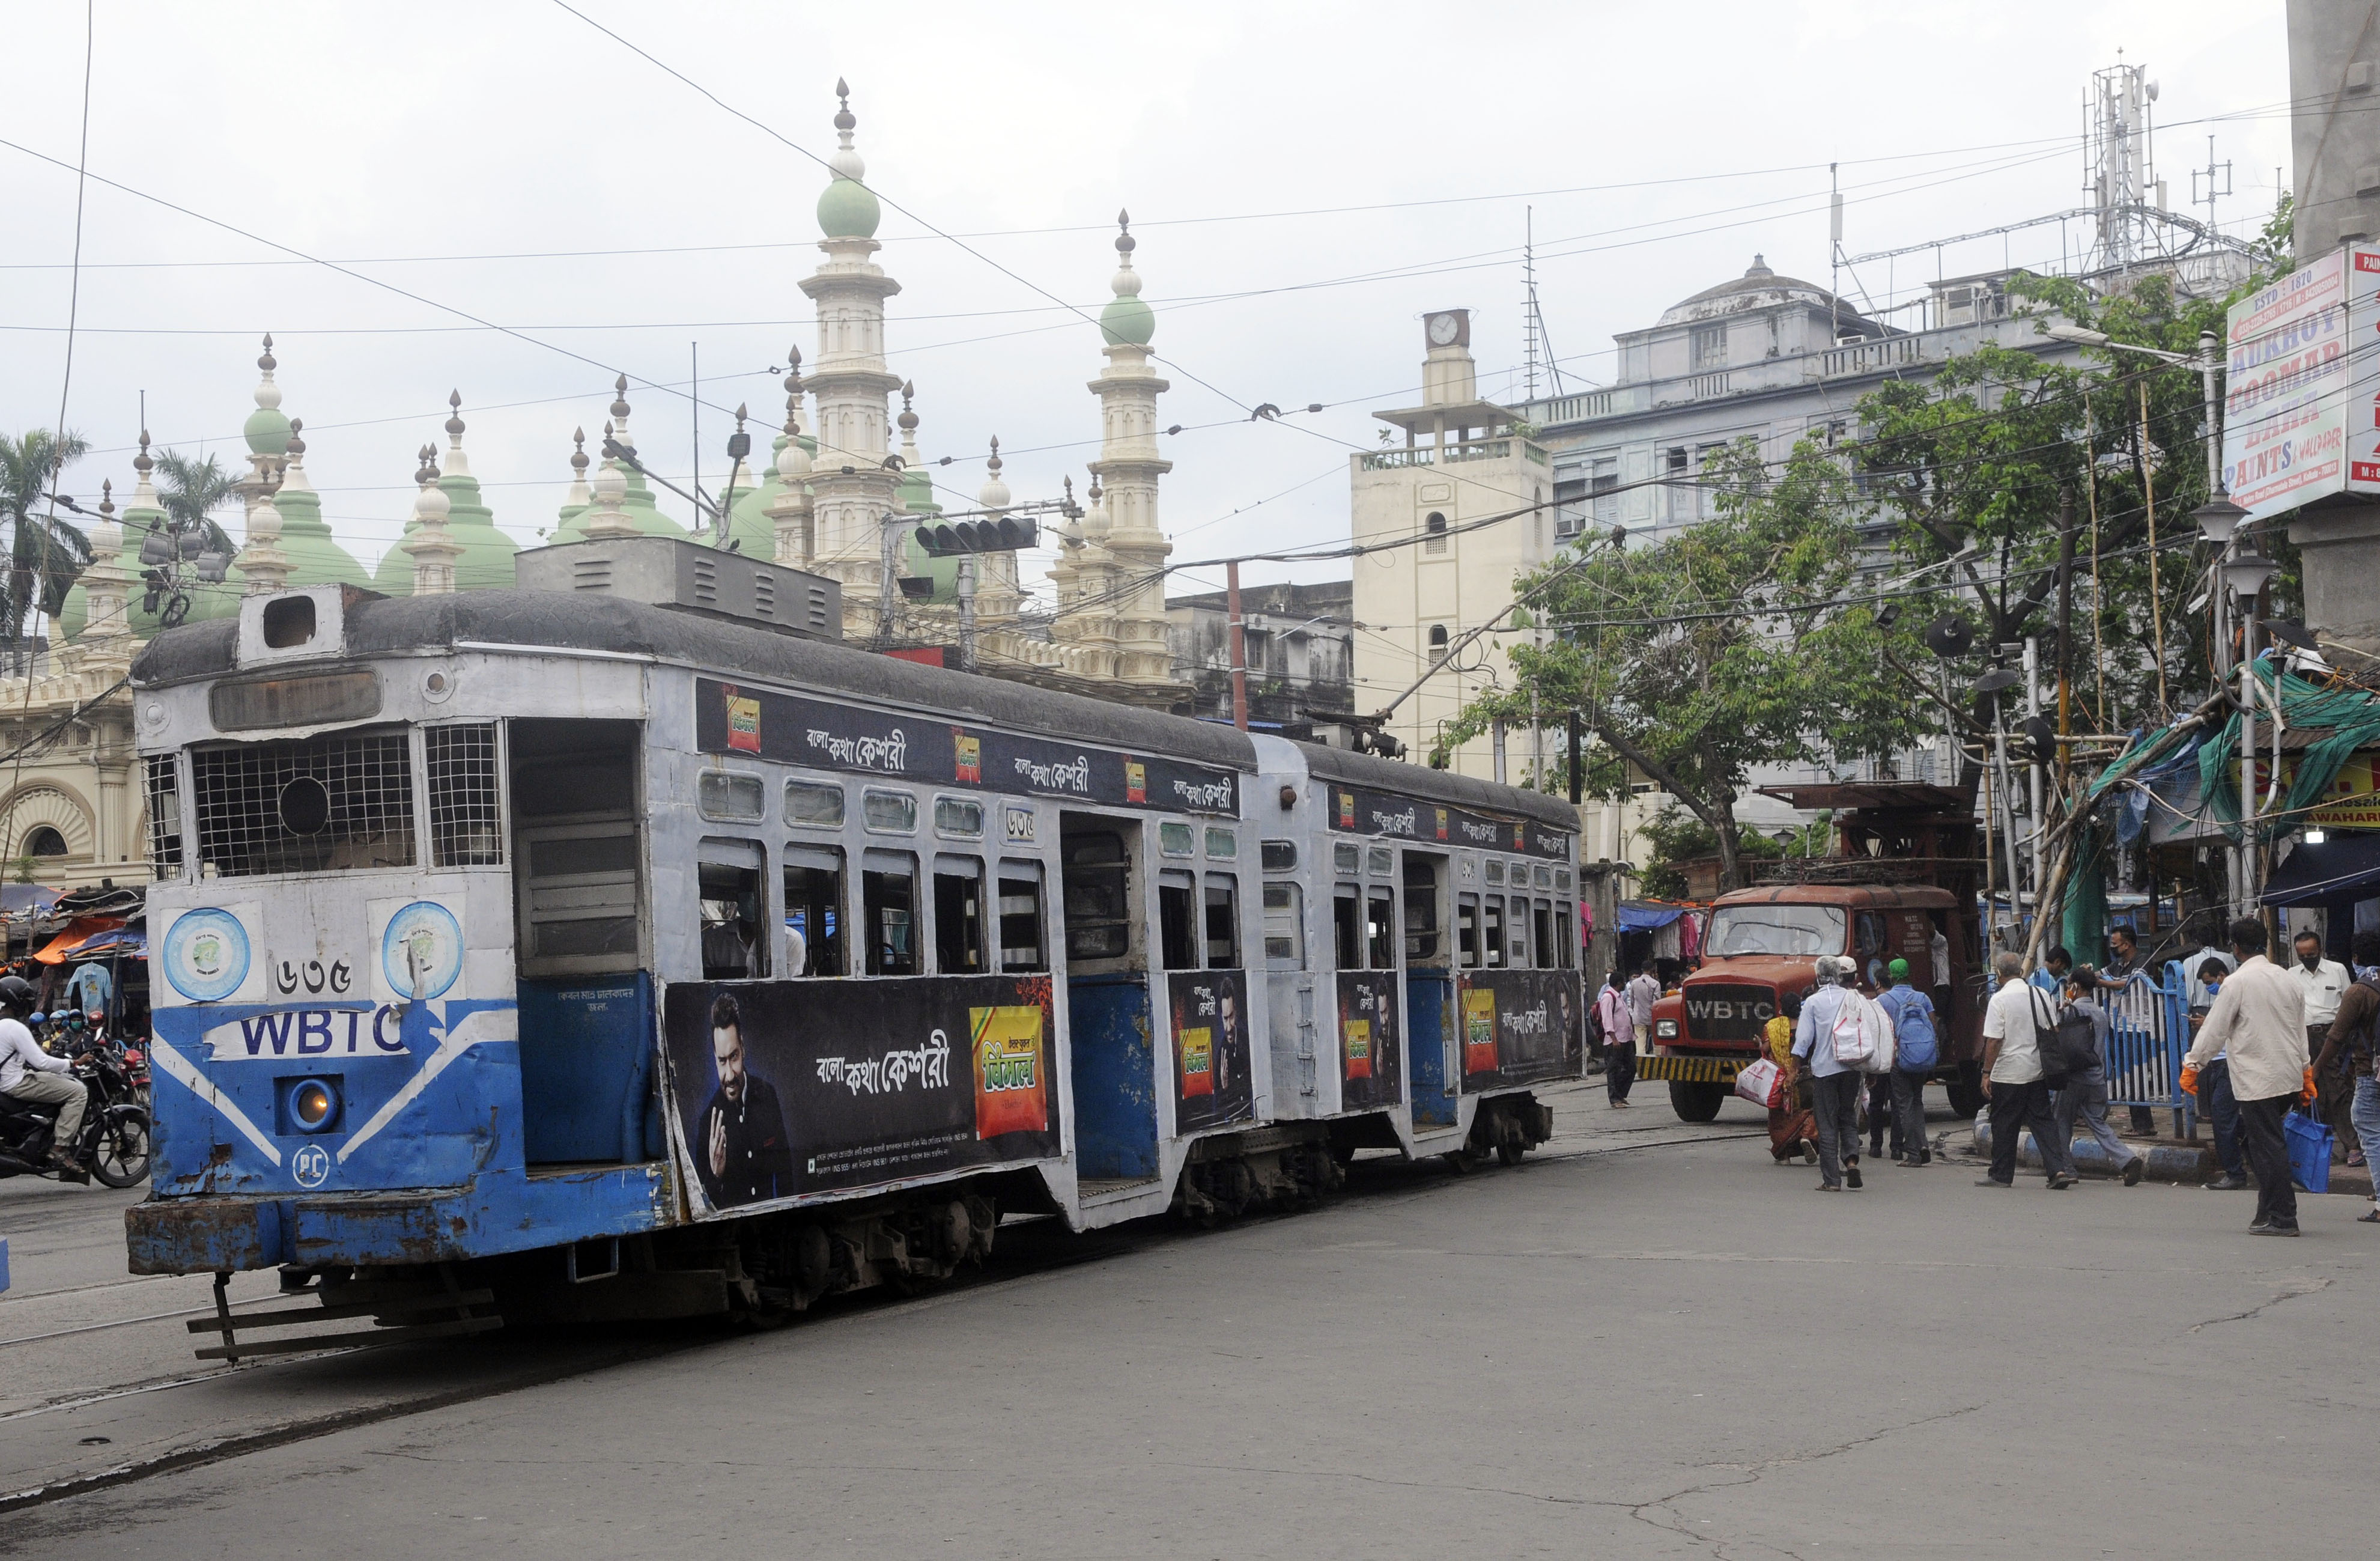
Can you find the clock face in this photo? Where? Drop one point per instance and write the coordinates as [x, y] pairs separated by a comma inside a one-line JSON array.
[[1443, 329]]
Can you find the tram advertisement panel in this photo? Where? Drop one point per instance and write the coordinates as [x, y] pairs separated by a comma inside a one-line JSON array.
[[1361, 810], [1371, 1063], [1211, 1081], [791, 1087], [1519, 1027], [729, 718]]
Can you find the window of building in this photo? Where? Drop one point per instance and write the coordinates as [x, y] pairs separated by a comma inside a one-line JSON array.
[[1177, 926], [1020, 918], [1603, 486], [813, 912], [1437, 643], [1433, 530], [888, 881], [1222, 922], [43, 840], [1709, 343], [1706, 470]]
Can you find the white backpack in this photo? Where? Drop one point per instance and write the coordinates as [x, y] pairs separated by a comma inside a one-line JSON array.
[[1852, 1038]]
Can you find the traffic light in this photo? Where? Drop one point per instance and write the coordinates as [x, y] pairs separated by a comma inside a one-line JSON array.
[[1006, 535]]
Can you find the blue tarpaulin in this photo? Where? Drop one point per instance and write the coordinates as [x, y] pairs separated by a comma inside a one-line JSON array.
[[1635, 915]]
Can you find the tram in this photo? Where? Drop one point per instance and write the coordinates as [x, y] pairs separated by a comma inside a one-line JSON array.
[[562, 953]]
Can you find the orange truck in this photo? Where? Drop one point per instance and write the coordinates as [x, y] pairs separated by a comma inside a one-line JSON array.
[[1899, 885]]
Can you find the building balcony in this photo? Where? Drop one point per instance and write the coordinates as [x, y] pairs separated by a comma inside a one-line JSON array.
[[1474, 449]]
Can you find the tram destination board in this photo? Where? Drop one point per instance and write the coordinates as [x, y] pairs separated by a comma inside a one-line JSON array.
[[1361, 810], [788, 1087], [788, 729], [1520, 1027]]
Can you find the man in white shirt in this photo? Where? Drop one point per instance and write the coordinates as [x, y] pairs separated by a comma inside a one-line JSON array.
[[2259, 1019], [1643, 991], [2013, 1076], [32, 1075], [1834, 1084], [2323, 982]]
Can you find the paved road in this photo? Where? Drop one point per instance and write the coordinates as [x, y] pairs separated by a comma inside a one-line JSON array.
[[1650, 1342]]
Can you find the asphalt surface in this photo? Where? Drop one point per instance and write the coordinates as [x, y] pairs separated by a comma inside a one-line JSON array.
[[1646, 1341]]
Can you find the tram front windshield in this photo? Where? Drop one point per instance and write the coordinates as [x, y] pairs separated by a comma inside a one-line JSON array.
[[1776, 929]]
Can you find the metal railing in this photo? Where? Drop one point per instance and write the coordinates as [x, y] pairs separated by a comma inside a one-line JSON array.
[[2147, 1039]]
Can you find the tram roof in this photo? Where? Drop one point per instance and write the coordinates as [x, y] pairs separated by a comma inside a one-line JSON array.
[[1436, 786], [537, 620]]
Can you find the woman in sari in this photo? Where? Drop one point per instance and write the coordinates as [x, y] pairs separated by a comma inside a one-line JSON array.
[[1791, 1129]]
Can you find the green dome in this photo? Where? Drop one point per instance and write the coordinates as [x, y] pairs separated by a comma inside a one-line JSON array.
[[315, 557], [267, 430], [1127, 321], [73, 613], [847, 209], [638, 505]]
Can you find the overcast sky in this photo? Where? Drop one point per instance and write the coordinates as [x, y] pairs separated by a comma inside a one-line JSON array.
[[1304, 181]]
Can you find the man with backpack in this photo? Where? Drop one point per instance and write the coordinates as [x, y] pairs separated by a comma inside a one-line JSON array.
[[2016, 1022], [1619, 1026], [1832, 1036], [2083, 1025], [1916, 1047]]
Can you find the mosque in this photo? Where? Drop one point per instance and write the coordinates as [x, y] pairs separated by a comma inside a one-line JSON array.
[[72, 812]]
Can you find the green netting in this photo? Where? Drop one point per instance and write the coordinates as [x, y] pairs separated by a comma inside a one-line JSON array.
[[2352, 716]]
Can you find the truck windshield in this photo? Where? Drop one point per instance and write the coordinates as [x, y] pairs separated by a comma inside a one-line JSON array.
[[1776, 929]]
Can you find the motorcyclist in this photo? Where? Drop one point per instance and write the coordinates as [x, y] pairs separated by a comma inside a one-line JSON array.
[[33, 1076]]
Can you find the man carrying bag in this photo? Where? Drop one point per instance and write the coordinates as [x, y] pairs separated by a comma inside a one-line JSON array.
[[1916, 1050], [2015, 1026]]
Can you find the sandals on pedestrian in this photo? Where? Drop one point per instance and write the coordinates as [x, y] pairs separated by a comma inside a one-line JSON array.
[[2371, 1218]]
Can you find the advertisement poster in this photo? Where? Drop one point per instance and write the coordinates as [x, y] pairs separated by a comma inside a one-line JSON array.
[[1520, 1027], [2351, 800], [791, 1087], [2302, 408], [1213, 1086], [1359, 811], [1371, 1059]]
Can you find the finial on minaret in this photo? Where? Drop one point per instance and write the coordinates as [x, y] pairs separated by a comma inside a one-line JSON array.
[[611, 485], [142, 463], [454, 421], [843, 119], [993, 494], [297, 444], [431, 546], [266, 363], [908, 417], [1126, 320], [578, 455], [792, 371]]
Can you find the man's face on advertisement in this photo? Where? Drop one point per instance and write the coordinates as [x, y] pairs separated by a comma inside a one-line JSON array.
[[1230, 1014], [727, 1051]]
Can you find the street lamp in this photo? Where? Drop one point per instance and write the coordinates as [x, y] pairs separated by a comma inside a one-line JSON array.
[[2246, 575], [2217, 518]]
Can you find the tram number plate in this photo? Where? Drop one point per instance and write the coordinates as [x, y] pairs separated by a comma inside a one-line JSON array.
[[1020, 823]]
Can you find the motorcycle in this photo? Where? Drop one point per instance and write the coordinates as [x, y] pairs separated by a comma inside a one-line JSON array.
[[114, 1144]]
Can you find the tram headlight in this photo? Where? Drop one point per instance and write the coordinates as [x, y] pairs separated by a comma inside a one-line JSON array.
[[310, 1105]]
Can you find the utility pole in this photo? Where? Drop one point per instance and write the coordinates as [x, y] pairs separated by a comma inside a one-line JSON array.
[[888, 589], [966, 612], [2033, 771], [1239, 645]]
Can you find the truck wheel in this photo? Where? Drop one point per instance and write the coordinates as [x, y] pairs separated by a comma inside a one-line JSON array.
[[1696, 1103], [1966, 1091]]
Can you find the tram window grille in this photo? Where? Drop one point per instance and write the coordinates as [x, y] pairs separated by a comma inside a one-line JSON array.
[[165, 817], [312, 805], [467, 826]]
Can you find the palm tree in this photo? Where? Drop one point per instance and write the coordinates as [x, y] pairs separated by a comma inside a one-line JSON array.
[[190, 491], [46, 552]]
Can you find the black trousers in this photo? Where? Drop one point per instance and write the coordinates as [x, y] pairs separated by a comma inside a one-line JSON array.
[[2268, 1156], [2016, 1107], [1619, 1069]]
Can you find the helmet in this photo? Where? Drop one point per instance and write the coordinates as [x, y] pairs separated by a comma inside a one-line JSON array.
[[18, 993]]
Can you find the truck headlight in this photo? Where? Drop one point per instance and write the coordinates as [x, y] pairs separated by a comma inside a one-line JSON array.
[[1664, 1030]]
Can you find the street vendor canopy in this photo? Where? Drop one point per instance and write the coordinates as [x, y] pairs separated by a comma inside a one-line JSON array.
[[2334, 872], [69, 944]]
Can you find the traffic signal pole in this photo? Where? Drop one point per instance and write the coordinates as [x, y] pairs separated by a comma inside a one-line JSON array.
[[1239, 646]]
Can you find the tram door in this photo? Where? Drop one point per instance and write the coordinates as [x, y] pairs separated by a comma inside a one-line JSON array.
[[579, 898], [1429, 991], [1107, 995]]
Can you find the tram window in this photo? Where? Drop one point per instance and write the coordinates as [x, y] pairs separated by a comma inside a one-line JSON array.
[[1223, 844], [1380, 927], [1380, 861], [1177, 928], [1176, 840], [888, 887], [1466, 931], [1020, 918], [734, 913], [958, 916], [1520, 931], [813, 912], [577, 890], [1347, 927], [1545, 876], [1422, 934], [888, 813], [1561, 879], [1541, 925], [1284, 926], [1279, 856], [1098, 903], [959, 816], [1494, 908], [1222, 922], [730, 796], [467, 826], [1495, 870], [816, 803], [1347, 860], [1565, 936]]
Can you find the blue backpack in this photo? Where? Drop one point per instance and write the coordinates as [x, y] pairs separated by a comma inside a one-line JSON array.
[[1913, 1031]]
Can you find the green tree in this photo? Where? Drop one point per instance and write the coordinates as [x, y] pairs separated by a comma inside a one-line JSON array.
[[45, 553], [190, 492], [1674, 837], [1730, 645]]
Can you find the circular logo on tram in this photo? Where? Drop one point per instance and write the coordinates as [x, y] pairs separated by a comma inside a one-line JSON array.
[[311, 1165], [206, 955], [421, 952]]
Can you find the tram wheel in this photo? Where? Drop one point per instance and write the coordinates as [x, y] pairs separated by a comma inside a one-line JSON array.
[[1462, 1162], [1509, 1153]]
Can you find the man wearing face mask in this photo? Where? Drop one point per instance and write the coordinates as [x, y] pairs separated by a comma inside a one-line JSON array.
[[2324, 982]]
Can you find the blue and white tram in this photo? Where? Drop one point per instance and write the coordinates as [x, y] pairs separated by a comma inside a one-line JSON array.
[[626, 961]]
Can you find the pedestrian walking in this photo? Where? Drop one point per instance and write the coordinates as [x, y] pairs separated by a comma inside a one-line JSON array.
[[2083, 1096], [2352, 1033], [1792, 1129], [1834, 1012], [2013, 1076], [1643, 991], [2321, 982], [1916, 1048], [2258, 1020], [1619, 1040]]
